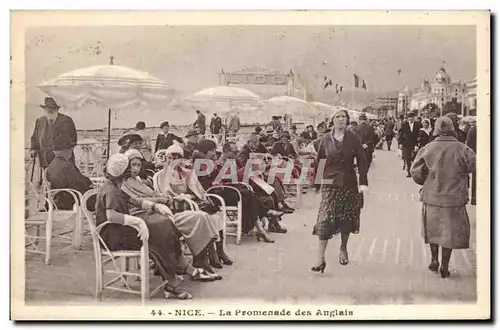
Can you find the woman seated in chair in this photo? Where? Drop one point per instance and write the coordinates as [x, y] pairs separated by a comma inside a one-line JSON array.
[[121, 233], [135, 141], [269, 199], [279, 190], [176, 179], [197, 228], [252, 210]]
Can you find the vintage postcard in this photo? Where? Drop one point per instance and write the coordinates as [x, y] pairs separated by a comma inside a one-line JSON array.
[[250, 165]]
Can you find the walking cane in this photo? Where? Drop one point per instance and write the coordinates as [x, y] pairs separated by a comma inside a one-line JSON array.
[[33, 167]]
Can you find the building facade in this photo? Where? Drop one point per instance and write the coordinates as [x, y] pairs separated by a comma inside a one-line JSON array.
[[386, 106], [471, 97], [438, 91]]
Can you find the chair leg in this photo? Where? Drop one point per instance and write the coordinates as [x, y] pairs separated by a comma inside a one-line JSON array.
[[37, 234], [98, 277], [239, 225], [124, 267], [145, 293], [78, 232], [48, 239]]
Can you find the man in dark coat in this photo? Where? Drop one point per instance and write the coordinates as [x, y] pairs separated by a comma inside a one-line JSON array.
[[461, 135], [215, 124], [53, 125], [62, 173], [408, 140], [472, 143], [165, 139], [368, 137], [309, 134], [389, 133], [284, 147], [200, 122]]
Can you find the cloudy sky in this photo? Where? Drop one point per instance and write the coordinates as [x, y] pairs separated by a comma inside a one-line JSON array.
[[189, 58]]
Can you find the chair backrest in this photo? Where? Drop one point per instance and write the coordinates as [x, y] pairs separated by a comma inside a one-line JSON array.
[[34, 201], [161, 156], [156, 183], [45, 183], [90, 215]]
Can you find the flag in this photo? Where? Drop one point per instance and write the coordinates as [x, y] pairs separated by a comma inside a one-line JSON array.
[[327, 82], [364, 85], [356, 81]]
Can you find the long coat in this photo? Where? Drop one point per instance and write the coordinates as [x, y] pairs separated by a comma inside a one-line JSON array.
[[201, 123], [215, 125], [339, 165], [234, 124], [442, 167], [43, 135], [408, 138], [367, 135]]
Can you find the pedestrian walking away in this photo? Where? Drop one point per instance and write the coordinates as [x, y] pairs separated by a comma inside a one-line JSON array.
[[442, 168]]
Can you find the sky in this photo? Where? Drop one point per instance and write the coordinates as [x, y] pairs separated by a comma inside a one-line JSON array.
[[189, 57]]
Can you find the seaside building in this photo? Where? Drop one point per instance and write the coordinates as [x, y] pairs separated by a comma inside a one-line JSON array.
[[438, 91]]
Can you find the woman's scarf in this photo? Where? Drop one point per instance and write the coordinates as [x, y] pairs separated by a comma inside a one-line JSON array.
[[138, 188], [187, 176], [427, 130]]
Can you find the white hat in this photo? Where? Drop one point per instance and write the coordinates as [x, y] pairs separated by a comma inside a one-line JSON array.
[[117, 165], [133, 153], [174, 149]]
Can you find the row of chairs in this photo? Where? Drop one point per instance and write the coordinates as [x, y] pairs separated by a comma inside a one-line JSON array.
[[43, 212]]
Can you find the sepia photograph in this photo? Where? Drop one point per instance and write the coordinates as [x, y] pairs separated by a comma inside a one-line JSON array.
[[294, 165]]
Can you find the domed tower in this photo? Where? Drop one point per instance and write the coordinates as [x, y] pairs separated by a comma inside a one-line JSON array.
[[442, 77], [441, 87]]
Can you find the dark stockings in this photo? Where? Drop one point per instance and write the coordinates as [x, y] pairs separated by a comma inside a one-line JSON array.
[[434, 265], [445, 259], [344, 257]]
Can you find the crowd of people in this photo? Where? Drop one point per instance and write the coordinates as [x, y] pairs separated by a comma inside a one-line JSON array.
[[129, 198]]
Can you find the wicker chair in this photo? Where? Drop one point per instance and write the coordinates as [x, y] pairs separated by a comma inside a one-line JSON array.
[[121, 261]]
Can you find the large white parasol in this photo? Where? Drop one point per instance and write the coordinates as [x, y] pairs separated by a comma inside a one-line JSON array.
[[288, 105], [227, 100], [109, 86]]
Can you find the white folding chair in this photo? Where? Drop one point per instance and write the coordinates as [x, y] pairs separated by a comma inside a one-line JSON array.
[[234, 215], [41, 211], [120, 261], [64, 215]]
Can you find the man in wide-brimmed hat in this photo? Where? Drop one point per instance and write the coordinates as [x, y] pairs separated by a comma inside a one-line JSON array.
[[53, 125]]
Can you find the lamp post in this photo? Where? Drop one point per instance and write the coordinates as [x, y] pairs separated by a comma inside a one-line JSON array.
[[442, 105]]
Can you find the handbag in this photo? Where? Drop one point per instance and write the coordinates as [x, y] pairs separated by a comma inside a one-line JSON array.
[[206, 205]]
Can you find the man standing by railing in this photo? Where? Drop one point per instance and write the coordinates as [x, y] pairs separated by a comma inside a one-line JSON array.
[[215, 127], [200, 122]]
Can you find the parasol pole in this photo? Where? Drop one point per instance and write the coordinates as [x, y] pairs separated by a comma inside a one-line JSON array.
[[109, 133], [111, 58]]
